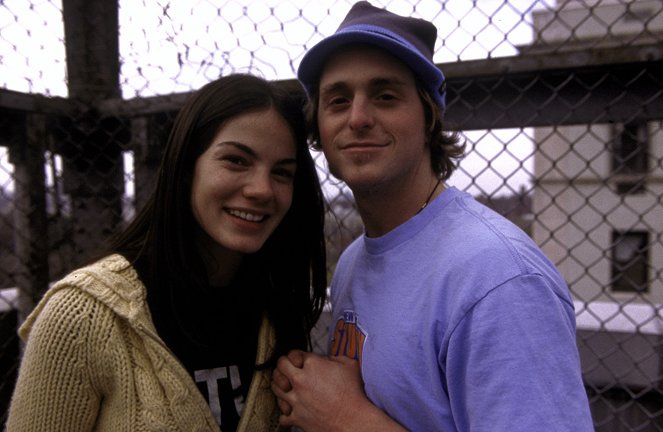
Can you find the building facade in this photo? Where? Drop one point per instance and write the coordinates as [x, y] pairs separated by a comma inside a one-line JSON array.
[[599, 209]]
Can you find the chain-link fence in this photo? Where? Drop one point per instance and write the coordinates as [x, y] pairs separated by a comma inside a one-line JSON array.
[[561, 104]]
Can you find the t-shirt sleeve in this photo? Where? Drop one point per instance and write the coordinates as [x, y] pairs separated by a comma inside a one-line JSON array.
[[513, 364]]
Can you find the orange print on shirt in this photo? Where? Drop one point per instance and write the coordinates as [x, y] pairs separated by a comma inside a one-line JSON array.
[[348, 338]]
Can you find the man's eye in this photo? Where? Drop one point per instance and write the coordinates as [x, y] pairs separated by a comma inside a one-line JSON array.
[[386, 96], [337, 101]]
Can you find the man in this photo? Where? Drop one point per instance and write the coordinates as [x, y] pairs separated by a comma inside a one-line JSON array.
[[445, 316]]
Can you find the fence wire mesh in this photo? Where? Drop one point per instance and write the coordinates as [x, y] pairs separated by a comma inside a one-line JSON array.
[[560, 102]]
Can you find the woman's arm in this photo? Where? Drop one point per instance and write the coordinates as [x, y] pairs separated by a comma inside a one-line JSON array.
[[54, 390]]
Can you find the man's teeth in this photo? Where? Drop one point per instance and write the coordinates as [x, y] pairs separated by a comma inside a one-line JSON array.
[[247, 216]]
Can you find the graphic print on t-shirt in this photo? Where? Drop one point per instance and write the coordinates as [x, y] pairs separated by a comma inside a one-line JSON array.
[[211, 380], [348, 338]]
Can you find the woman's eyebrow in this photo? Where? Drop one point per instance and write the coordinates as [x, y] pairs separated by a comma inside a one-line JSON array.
[[248, 150], [287, 161], [238, 145]]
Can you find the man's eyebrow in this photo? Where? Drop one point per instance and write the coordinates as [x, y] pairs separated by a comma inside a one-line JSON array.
[[333, 87], [388, 81], [381, 81]]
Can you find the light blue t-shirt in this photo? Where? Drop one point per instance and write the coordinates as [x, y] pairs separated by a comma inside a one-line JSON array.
[[460, 323]]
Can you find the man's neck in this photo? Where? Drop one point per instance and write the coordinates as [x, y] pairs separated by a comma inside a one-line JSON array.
[[382, 211]]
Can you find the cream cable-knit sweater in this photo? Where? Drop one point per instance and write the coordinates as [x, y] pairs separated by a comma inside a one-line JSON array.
[[93, 361]]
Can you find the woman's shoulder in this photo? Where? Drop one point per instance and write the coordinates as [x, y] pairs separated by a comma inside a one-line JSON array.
[[111, 282], [112, 272]]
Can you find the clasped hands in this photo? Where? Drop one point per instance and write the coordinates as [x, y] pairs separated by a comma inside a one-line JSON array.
[[318, 393]]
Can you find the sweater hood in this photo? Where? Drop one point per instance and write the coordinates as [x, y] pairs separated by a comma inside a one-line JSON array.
[[113, 282]]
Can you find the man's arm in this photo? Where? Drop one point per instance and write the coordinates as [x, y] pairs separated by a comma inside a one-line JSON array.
[[512, 363], [317, 393]]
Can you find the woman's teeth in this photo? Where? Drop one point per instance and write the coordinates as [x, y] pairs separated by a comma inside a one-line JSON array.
[[247, 216]]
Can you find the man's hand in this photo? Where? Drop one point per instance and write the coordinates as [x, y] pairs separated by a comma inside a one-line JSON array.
[[317, 393]]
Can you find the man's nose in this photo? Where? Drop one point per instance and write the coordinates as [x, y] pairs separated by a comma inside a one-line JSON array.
[[361, 114]]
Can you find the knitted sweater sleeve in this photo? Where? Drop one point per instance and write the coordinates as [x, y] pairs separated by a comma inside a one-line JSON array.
[[57, 388]]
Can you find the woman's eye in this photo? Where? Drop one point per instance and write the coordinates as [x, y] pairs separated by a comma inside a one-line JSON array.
[[236, 160], [285, 173]]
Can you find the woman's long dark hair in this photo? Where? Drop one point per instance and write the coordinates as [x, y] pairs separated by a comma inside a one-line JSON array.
[[159, 241]]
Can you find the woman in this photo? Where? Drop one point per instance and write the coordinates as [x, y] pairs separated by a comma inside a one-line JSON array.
[[178, 326]]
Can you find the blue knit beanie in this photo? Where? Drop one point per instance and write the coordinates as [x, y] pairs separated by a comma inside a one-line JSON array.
[[411, 40]]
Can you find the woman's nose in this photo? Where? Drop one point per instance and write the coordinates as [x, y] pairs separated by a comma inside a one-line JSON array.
[[259, 186]]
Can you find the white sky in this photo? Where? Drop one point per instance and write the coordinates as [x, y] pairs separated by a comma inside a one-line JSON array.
[[178, 45]]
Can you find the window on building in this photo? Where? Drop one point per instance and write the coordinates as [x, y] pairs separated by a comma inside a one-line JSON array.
[[630, 257], [630, 151]]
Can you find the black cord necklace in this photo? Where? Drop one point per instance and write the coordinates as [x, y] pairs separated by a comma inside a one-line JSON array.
[[430, 196]]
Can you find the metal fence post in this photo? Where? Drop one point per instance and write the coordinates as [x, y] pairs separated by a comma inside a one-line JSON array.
[[30, 221]]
